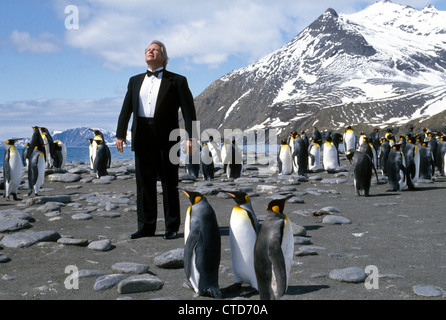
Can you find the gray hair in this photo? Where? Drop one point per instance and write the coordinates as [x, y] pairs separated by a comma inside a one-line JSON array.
[[163, 50]]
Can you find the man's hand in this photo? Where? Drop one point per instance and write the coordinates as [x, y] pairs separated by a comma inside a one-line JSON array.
[[120, 143]]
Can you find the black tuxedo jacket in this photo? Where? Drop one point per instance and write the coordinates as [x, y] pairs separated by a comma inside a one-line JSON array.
[[174, 93]]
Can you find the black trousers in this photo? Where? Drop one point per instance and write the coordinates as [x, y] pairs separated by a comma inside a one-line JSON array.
[[152, 162]]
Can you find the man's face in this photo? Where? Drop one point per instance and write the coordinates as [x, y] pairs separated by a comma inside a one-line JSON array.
[[154, 57]]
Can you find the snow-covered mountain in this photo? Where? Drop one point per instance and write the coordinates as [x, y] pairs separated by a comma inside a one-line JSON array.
[[381, 67], [78, 137]]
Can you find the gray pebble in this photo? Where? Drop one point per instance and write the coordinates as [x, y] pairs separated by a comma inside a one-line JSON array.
[[130, 267], [428, 291], [73, 241], [4, 257], [81, 216], [100, 245], [108, 281], [140, 283], [172, 259], [65, 177], [352, 274], [108, 214], [335, 220], [28, 238], [13, 224]]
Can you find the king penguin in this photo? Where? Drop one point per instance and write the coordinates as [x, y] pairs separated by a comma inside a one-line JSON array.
[[349, 139], [215, 149], [300, 156], [36, 170], [193, 159], [412, 158], [207, 162], [396, 169], [284, 159], [235, 165], [243, 230], [49, 146], [60, 154], [440, 155], [314, 155], [12, 169], [427, 163], [330, 157], [202, 248], [102, 159], [362, 168], [384, 150], [273, 252]]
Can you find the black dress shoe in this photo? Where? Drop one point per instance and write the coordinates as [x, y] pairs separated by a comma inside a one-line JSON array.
[[170, 235], [141, 234]]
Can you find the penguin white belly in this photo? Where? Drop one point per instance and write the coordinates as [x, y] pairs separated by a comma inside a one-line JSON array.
[[288, 247], [15, 164], [349, 141], [242, 238], [194, 275], [315, 151], [417, 165], [330, 157], [285, 157], [403, 178], [187, 225], [41, 173]]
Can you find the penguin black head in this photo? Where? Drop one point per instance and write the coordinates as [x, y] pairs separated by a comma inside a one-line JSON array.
[[11, 142], [329, 139], [193, 196], [396, 146], [277, 205], [239, 197], [283, 142]]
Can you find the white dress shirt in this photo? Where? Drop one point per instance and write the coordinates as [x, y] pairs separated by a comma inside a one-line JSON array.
[[148, 95]]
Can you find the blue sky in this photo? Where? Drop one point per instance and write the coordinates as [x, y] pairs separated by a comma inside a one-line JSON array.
[[63, 78]]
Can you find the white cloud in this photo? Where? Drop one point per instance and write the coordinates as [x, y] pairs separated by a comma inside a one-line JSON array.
[[42, 43], [18, 118], [199, 32]]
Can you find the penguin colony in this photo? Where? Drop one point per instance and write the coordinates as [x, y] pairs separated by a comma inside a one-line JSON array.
[[262, 251], [42, 153]]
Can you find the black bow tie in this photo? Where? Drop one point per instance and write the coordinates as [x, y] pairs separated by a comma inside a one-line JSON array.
[[154, 73]]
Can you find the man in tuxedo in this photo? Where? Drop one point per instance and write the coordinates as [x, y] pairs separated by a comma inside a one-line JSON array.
[[154, 99]]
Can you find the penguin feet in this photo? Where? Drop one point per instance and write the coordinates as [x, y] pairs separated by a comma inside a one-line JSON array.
[[232, 288], [236, 287], [14, 196], [214, 292], [249, 292]]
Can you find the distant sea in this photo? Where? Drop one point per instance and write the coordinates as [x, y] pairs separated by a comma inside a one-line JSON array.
[[82, 154]]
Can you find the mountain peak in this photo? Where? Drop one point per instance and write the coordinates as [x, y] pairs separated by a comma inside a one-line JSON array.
[[383, 65]]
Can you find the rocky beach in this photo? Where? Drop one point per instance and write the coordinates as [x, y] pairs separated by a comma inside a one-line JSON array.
[[72, 241]]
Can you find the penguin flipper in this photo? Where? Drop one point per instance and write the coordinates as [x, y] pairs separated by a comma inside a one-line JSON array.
[[275, 254], [189, 248], [6, 168], [312, 158], [108, 153]]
